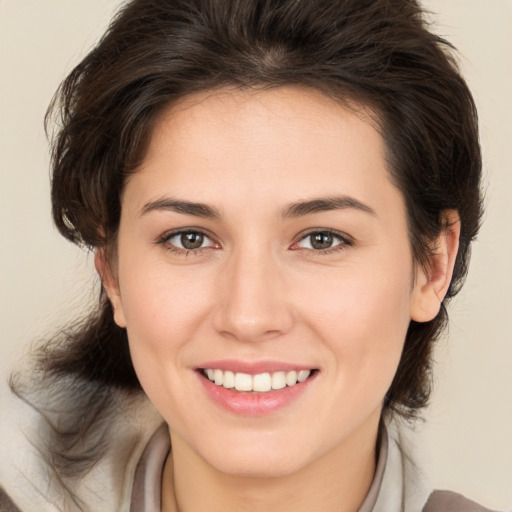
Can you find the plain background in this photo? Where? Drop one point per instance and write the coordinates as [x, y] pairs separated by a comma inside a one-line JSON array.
[[45, 280]]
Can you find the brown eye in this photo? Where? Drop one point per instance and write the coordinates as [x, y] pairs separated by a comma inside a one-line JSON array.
[[322, 240], [192, 241], [188, 241]]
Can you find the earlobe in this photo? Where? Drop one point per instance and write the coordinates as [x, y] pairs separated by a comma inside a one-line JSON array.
[[111, 285], [432, 283]]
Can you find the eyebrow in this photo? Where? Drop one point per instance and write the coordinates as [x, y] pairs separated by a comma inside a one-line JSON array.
[[323, 204], [179, 206], [298, 209]]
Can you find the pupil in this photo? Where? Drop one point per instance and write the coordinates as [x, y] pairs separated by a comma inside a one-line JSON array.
[[321, 240], [192, 240]]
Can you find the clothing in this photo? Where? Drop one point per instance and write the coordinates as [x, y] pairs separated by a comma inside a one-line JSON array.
[[127, 478], [398, 484], [147, 489]]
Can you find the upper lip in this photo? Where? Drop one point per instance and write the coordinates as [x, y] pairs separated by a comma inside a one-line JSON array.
[[253, 367]]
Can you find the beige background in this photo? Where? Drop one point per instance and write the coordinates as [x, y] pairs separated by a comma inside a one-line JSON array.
[[44, 280]]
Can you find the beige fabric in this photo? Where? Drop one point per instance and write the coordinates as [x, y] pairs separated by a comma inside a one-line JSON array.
[[106, 487], [405, 486], [147, 483]]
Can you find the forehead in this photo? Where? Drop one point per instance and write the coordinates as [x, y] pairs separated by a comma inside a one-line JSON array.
[[252, 116], [249, 136]]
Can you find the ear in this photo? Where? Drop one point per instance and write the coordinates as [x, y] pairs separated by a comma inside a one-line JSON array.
[[432, 283], [110, 283]]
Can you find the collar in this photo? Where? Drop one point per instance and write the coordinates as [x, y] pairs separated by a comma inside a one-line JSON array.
[[399, 484]]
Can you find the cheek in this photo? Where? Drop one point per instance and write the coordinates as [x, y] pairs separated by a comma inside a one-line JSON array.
[[164, 313], [362, 314], [161, 307], [360, 298], [166, 307], [158, 298]]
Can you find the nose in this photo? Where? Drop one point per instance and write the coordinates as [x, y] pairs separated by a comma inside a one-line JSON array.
[[252, 300]]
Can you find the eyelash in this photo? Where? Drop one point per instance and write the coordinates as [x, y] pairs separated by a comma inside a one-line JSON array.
[[344, 241], [165, 241]]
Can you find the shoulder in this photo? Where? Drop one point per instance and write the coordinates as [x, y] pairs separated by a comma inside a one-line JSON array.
[[448, 501], [37, 478], [406, 483]]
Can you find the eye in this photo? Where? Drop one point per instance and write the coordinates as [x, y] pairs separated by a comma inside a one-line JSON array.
[[189, 240], [322, 241]]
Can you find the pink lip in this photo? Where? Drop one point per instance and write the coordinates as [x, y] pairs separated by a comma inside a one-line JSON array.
[[253, 367], [254, 404]]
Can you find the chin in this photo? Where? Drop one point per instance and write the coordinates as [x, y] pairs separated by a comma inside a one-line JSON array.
[[256, 459], [261, 467]]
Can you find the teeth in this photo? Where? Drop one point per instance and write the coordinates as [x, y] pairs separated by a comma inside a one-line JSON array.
[[261, 383], [279, 380], [217, 377], [291, 378], [243, 382], [303, 375], [228, 380]]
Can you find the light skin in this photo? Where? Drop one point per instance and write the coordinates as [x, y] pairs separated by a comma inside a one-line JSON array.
[[256, 179]]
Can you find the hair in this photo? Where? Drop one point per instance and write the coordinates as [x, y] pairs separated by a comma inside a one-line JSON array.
[[376, 53]]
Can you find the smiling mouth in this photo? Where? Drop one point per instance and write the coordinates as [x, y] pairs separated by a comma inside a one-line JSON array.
[[259, 383]]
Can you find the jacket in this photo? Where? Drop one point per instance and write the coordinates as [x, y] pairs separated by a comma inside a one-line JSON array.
[[400, 484]]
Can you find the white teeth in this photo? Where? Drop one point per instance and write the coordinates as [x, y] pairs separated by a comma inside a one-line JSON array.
[[261, 383], [291, 378], [217, 377], [278, 380], [228, 380], [303, 375], [243, 382]]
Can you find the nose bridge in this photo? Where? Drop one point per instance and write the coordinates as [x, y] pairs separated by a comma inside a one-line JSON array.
[[252, 305]]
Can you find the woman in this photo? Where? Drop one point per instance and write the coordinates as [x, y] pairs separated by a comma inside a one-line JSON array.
[[281, 197]]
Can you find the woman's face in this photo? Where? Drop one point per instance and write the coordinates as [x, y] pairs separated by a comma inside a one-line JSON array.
[[262, 235]]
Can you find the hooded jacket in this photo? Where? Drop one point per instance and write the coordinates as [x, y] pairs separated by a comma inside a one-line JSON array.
[[123, 457]]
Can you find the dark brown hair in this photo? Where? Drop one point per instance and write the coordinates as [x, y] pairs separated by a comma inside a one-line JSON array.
[[378, 53]]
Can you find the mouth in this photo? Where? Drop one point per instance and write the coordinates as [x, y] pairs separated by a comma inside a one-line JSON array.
[[256, 388], [259, 383]]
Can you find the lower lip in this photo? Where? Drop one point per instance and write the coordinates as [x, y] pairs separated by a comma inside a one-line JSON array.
[[254, 404]]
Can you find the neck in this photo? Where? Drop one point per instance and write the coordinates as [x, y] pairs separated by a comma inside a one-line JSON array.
[[336, 482]]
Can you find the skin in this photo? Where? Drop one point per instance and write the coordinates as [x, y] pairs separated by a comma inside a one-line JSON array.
[[258, 290]]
